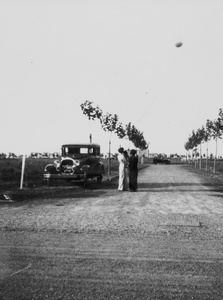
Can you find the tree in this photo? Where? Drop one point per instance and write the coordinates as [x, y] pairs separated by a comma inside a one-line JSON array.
[[135, 136], [200, 134], [215, 128], [207, 137], [110, 123], [120, 131], [187, 148], [91, 112], [192, 143]]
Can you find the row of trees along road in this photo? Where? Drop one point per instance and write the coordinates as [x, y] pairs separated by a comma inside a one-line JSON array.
[[211, 130], [110, 122]]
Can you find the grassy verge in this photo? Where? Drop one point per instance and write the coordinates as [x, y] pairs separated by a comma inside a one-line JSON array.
[[10, 172], [36, 188], [207, 167]]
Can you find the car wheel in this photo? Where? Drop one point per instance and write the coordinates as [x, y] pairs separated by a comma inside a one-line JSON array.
[[99, 178]]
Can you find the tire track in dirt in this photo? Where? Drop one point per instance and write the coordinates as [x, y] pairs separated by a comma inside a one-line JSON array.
[[167, 195], [162, 242]]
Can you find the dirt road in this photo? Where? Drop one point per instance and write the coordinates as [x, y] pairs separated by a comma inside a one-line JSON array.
[[163, 242]]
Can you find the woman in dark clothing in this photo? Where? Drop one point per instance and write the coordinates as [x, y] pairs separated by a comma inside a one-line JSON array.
[[126, 180], [133, 171]]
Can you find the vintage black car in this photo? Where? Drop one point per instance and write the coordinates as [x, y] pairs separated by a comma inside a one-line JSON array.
[[78, 162], [160, 159]]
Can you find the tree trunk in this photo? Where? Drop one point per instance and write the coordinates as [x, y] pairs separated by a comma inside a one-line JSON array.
[[207, 158], [109, 157], [216, 150], [200, 156]]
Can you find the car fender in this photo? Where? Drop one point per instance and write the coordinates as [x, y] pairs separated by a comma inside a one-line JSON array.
[[85, 168], [51, 169]]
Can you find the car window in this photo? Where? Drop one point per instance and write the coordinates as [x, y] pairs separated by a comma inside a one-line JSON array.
[[91, 150], [72, 150], [81, 150], [97, 151], [84, 150]]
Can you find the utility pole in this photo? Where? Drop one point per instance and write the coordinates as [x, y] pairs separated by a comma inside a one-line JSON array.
[[109, 159]]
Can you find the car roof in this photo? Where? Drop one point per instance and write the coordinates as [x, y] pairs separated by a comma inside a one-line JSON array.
[[81, 145]]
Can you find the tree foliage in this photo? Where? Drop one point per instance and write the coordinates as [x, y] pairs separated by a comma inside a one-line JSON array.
[[110, 122], [90, 111], [211, 130]]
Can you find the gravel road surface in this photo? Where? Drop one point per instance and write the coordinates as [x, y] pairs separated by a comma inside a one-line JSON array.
[[163, 242]]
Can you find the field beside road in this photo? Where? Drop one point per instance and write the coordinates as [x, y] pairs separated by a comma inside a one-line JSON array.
[[10, 172], [163, 242]]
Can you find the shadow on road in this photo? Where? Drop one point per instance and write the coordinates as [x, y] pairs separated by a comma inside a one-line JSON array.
[[181, 187], [181, 184]]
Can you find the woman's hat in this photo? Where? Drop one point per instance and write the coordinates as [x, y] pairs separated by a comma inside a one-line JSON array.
[[121, 150]]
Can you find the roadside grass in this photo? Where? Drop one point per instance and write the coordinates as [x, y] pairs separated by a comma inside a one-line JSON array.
[[210, 165], [10, 172], [35, 187], [214, 179]]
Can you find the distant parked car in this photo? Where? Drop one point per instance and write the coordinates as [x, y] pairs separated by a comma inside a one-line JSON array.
[[78, 162], [160, 159]]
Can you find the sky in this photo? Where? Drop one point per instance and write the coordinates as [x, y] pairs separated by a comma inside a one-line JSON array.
[[119, 54]]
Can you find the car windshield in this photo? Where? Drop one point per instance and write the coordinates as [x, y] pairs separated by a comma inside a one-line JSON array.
[[79, 151]]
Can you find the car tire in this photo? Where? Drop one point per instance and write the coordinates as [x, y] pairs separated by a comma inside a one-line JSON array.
[[99, 178], [49, 181]]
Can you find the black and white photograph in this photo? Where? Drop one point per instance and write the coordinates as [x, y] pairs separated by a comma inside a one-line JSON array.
[[111, 149]]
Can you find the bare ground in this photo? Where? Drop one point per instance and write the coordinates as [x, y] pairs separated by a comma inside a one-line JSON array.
[[162, 242]]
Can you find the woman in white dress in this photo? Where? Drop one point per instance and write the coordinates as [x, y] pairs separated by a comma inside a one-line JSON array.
[[122, 163]]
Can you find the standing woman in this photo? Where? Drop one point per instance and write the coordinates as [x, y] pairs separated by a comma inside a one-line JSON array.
[[133, 171], [122, 162], [126, 184]]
